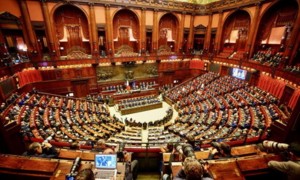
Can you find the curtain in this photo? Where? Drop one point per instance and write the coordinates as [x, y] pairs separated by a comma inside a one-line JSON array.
[[30, 76], [271, 85], [294, 99]]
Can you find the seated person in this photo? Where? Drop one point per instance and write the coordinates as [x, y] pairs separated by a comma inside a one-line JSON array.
[[105, 148], [220, 150], [167, 149], [191, 170], [86, 173], [102, 146], [44, 150]]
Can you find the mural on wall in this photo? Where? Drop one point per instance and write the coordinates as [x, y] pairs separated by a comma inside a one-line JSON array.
[[123, 73]]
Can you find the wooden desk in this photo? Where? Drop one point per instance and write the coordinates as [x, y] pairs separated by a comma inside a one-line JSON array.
[[62, 170], [225, 170], [141, 108], [18, 166], [201, 154], [244, 150], [253, 165], [176, 167], [69, 154], [88, 155]]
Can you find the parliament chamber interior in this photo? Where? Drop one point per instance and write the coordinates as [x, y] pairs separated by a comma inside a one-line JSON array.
[[143, 74]]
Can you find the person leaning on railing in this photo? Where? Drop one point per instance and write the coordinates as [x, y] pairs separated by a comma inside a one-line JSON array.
[[44, 150]]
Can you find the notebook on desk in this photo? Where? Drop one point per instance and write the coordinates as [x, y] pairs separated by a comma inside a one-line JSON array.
[[105, 166]]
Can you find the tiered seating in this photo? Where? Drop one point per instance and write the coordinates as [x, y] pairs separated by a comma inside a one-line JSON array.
[[132, 136], [226, 108], [41, 115], [268, 57]]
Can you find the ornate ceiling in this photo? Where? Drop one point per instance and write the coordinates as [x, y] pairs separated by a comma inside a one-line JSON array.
[[202, 2]]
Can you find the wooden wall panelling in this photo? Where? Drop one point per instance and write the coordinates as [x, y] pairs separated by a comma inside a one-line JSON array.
[[55, 87], [48, 75], [287, 94], [224, 71], [166, 24], [125, 25], [71, 28], [80, 87]]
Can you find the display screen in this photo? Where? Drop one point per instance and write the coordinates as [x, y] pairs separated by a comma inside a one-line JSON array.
[[239, 73], [106, 161]]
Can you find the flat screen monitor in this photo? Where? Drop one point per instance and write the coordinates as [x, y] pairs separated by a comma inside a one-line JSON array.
[[239, 73]]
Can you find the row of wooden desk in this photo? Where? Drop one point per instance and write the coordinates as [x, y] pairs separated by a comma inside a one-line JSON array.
[[234, 168], [141, 108], [23, 167], [248, 161]]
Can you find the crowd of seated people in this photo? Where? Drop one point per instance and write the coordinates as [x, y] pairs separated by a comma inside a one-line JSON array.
[[131, 136], [122, 89], [155, 123], [70, 119], [9, 59], [268, 58], [182, 91], [205, 112], [293, 69], [98, 98], [234, 109], [137, 101]]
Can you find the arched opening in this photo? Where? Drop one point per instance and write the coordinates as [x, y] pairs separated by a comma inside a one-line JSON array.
[[13, 48], [72, 31], [168, 33], [275, 28], [235, 34], [126, 32]]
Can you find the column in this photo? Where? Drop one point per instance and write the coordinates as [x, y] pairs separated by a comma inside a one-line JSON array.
[[219, 34], [32, 46], [291, 42], [3, 46], [179, 45], [253, 31], [108, 32], [155, 31], [208, 33], [190, 44], [53, 51], [94, 33], [143, 31]]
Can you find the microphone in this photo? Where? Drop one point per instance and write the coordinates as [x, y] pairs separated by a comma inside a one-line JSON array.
[[74, 168]]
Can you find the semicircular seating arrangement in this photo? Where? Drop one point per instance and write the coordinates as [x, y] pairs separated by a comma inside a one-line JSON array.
[[209, 107]]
